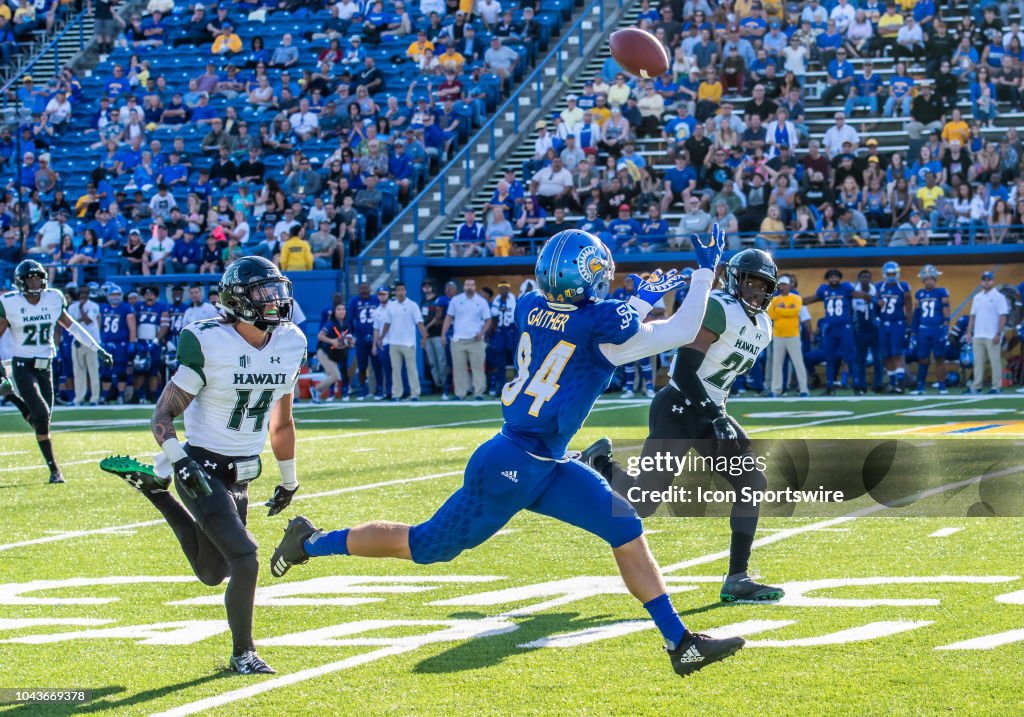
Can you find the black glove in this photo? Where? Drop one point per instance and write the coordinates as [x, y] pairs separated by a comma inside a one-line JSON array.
[[725, 434], [105, 358], [280, 500], [193, 478]]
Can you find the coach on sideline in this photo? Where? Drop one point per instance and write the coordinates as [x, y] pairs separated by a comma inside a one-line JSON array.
[[471, 315], [784, 311], [989, 310], [402, 318]]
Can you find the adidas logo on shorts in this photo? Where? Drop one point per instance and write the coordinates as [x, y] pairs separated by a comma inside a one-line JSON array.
[[511, 475]]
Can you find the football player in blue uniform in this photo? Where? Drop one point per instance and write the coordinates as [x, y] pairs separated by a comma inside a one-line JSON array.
[[571, 339], [837, 325], [117, 334], [865, 333], [932, 327], [176, 313], [151, 326], [895, 312], [360, 319], [501, 345], [623, 293]]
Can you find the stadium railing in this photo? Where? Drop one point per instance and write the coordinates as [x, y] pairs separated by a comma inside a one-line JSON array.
[[458, 173], [49, 53]]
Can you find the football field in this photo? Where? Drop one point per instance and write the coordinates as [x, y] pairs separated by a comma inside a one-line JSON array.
[[883, 615]]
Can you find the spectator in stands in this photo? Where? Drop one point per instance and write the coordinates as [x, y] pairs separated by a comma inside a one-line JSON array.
[[965, 60], [909, 40], [499, 231], [187, 254], [157, 251], [839, 133], [501, 60], [419, 46], [286, 54], [983, 97], [651, 105], [469, 237], [552, 185], [939, 47], [296, 255], [864, 91], [840, 77], [709, 95], [304, 123], [989, 311], [324, 245]]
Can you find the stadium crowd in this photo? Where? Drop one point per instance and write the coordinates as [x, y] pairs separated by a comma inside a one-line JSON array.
[[726, 135]]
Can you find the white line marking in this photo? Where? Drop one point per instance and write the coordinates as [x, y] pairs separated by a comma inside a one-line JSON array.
[[13, 453], [889, 412], [18, 623], [871, 631], [381, 484], [986, 642], [944, 532], [80, 534], [33, 468]]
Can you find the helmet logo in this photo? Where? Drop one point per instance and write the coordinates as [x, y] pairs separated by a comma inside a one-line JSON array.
[[589, 263]]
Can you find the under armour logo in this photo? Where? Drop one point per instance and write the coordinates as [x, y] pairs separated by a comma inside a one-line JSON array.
[[706, 402], [275, 359], [210, 464], [678, 409]]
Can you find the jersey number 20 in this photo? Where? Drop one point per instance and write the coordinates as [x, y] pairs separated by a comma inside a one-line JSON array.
[[37, 335], [544, 383]]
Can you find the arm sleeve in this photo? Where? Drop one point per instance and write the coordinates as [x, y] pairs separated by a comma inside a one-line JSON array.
[[82, 336], [658, 336]]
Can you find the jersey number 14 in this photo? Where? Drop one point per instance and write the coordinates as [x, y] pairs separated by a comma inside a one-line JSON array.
[[544, 383], [257, 411]]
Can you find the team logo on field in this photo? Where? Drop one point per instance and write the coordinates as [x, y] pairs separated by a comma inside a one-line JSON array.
[[589, 263]]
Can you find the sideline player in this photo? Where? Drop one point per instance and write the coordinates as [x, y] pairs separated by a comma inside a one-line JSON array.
[[690, 411], [501, 344], [33, 312], [234, 384], [895, 316], [932, 327], [117, 331], [836, 325], [151, 327], [571, 340], [361, 308]]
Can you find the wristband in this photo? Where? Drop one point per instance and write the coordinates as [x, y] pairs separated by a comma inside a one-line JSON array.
[[288, 479], [173, 450]]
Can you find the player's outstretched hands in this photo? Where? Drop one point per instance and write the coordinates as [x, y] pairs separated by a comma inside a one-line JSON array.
[[192, 477], [657, 285], [709, 252], [280, 500]]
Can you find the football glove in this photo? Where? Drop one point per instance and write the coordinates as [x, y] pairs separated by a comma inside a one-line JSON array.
[[725, 434], [192, 477], [280, 500], [105, 358], [709, 253], [657, 285]]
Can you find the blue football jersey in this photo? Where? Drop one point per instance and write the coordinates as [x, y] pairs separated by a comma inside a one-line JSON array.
[[114, 322], [929, 306], [148, 319], [360, 314], [503, 311], [892, 298], [838, 301], [561, 370], [176, 314]]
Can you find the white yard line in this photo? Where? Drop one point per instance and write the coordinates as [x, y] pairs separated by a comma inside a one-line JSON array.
[[36, 467], [876, 414], [944, 532], [79, 534]]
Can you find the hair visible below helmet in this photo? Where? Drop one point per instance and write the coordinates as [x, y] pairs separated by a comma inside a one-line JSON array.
[[26, 269], [833, 272], [749, 264], [928, 271], [574, 267], [254, 291], [891, 271]]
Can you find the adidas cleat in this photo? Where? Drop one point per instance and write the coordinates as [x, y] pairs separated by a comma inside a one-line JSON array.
[[697, 651], [741, 588], [289, 551], [249, 663], [139, 476], [600, 447], [56, 477]]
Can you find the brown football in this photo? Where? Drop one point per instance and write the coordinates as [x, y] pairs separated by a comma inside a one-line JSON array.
[[639, 53]]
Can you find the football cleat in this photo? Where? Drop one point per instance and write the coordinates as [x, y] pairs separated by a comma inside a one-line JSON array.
[[917, 392], [628, 393], [600, 447], [697, 651], [139, 476], [650, 392], [742, 588], [56, 477], [6, 389], [249, 663], [289, 551]]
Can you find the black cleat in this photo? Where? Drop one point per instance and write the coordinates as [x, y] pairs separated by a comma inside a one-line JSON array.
[[139, 476], [697, 651], [742, 588], [56, 477], [249, 663], [289, 551], [830, 390], [6, 389], [600, 447]]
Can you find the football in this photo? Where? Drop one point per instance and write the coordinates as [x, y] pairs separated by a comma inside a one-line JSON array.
[[639, 53]]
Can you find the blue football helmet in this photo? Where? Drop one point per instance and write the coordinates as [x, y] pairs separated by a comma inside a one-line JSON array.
[[891, 271], [574, 267], [142, 361], [928, 271]]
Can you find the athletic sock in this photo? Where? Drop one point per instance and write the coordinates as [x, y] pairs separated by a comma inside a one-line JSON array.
[[743, 529], [892, 377], [646, 373], [667, 620], [922, 375], [333, 543], [46, 448], [630, 371]]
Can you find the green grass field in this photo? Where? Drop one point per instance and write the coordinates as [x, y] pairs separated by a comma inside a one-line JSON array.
[[95, 594]]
